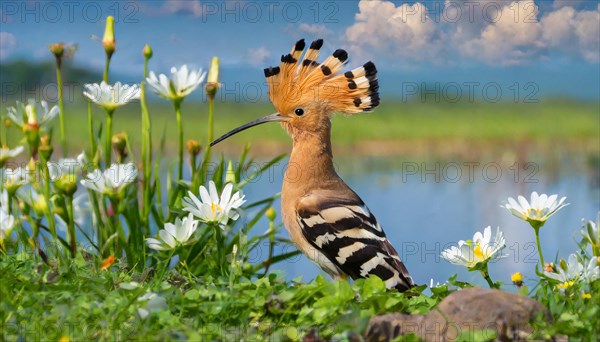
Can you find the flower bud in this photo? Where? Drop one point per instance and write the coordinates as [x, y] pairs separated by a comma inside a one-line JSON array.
[[212, 83], [45, 149], [549, 267], [147, 51], [193, 147], [230, 174], [7, 123], [563, 264], [108, 41], [67, 184], [119, 143], [271, 214], [40, 205], [213, 72], [57, 49], [31, 113]]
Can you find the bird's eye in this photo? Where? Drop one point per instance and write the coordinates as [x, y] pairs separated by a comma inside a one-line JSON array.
[[299, 111]]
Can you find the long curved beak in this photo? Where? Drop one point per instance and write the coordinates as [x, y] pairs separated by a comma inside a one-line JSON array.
[[268, 118]]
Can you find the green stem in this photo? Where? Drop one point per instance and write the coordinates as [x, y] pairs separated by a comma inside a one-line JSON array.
[[106, 66], [211, 106], [167, 262], [61, 106], [146, 149], [193, 166], [47, 195], [486, 276], [121, 240], [107, 147], [97, 222], [91, 131], [177, 105], [71, 225], [539, 245], [219, 244]]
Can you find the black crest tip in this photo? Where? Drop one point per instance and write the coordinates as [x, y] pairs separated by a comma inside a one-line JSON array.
[[370, 68], [300, 45], [340, 54], [317, 44], [288, 59], [271, 71]]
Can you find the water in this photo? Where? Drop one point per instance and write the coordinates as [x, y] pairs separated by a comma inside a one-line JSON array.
[[425, 207]]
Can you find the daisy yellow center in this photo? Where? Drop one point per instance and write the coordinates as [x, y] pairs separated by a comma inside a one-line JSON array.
[[533, 212], [478, 252], [215, 207]]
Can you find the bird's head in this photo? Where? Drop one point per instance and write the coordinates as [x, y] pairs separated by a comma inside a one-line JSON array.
[[306, 93]]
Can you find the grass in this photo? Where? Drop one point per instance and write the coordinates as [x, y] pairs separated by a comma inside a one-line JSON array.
[[393, 123], [80, 302]]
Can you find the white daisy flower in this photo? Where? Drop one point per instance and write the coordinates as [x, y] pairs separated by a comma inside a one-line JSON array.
[[7, 221], [4, 200], [479, 250], [174, 235], [111, 96], [112, 180], [32, 114], [591, 234], [6, 153], [210, 209], [536, 211], [65, 167], [592, 271], [13, 179], [180, 85], [575, 270]]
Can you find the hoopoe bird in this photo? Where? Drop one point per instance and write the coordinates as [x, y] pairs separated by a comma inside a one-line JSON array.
[[326, 220]]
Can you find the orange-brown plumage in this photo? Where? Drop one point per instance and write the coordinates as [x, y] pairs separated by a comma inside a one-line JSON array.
[[326, 219]]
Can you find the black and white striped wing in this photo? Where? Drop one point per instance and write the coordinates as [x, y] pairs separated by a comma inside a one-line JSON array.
[[346, 233]]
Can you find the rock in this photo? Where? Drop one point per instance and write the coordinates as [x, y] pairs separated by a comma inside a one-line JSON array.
[[464, 312]]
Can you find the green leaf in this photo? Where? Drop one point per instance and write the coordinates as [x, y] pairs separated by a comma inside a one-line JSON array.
[[192, 294]]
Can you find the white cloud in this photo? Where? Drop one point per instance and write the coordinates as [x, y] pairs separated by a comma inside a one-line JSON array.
[[513, 36], [574, 32], [7, 44], [314, 30], [404, 31], [169, 7], [258, 56], [489, 31]]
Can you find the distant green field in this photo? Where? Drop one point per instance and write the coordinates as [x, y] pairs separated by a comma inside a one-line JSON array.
[[547, 122]]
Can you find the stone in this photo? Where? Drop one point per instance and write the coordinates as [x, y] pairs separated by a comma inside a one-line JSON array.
[[464, 312]]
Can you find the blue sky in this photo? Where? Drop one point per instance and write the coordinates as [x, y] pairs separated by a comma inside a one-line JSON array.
[[522, 49]]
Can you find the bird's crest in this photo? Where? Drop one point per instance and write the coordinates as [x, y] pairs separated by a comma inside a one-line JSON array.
[[304, 80]]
